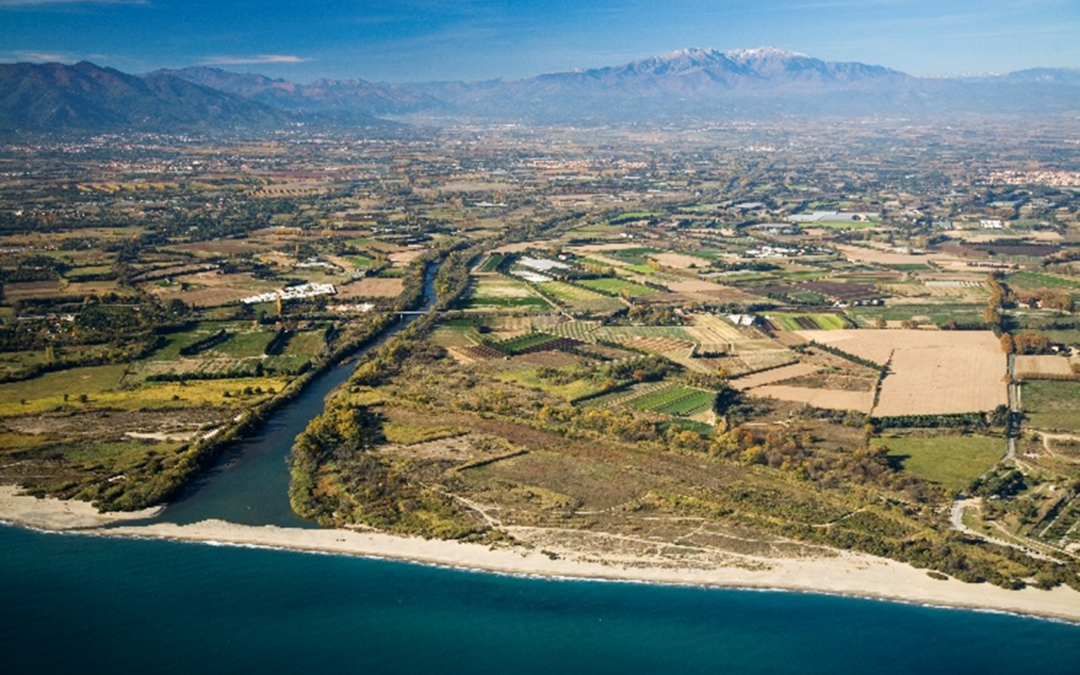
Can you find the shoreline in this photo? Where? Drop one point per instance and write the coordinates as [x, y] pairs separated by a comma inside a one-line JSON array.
[[845, 573]]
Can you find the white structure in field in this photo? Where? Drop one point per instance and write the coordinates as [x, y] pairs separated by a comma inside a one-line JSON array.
[[292, 293]]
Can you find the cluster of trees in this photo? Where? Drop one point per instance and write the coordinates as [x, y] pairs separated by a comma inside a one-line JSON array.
[[1000, 298], [335, 480], [34, 268], [1047, 298], [648, 369], [1027, 342], [648, 315], [975, 421], [278, 343], [999, 483]]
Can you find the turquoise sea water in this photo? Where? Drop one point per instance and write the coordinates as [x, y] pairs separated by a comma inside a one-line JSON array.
[[76, 604]]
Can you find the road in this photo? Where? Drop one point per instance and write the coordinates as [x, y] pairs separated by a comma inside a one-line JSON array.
[[1014, 407]]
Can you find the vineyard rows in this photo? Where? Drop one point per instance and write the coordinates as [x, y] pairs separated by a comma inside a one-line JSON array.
[[663, 398], [576, 330], [620, 397]]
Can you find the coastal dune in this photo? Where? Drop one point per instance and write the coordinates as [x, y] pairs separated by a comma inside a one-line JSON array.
[[844, 573]]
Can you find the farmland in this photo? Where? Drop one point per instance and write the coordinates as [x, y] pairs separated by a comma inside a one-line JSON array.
[[819, 321], [579, 299], [1030, 279], [940, 315], [1052, 405], [639, 339], [682, 401], [929, 372], [499, 293], [1034, 367], [616, 287], [950, 461]]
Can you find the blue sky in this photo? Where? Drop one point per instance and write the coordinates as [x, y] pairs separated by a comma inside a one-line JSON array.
[[416, 40]]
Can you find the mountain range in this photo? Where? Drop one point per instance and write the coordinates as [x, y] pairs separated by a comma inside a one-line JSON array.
[[693, 82]]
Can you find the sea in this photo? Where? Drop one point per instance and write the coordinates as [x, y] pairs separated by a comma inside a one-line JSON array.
[[73, 603], [80, 604]]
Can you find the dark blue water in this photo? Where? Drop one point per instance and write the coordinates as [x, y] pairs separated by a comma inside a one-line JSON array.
[[91, 605]]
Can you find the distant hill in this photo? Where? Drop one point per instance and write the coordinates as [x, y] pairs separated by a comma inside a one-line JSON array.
[[700, 83], [754, 83], [711, 72], [352, 95], [690, 81], [86, 97], [1067, 76]]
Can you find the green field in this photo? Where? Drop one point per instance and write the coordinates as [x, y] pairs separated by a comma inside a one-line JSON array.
[[569, 391], [632, 256], [910, 267], [360, 260], [1052, 405], [104, 388], [709, 254], [49, 390], [306, 344], [940, 314], [845, 224], [1065, 337], [631, 216], [1029, 279], [576, 297], [950, 461], [243, 342], [491, 264], [616, 287], [620, 333], [578, 330], [118, 456], [801, 275], [595, 230], [675, 400], [520, 343], [502, 293], [798, 321]]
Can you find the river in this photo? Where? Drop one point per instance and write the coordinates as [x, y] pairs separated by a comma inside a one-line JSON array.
[[249, 482]]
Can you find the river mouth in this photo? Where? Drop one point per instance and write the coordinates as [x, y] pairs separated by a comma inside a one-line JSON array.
[[248, 484]]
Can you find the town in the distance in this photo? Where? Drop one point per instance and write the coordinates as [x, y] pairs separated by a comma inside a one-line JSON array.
[[735, 323]]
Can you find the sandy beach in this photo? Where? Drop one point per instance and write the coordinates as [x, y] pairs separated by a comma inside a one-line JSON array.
[[838, 573]]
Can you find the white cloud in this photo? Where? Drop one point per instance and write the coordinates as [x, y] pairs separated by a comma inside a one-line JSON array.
[[252, 60], [39, 57]]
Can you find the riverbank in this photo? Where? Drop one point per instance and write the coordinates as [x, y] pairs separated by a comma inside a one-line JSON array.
[[843, 573]]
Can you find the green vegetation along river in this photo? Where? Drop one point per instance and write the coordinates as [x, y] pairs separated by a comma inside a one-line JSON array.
[[249, 483]]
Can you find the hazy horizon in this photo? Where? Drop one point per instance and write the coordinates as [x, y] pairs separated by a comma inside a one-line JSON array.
[[426, 40]]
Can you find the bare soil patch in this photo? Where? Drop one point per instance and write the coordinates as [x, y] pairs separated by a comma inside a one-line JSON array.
[[829, 399], [679, 260], [221, 246], [774, 375], [113, 425], [371, 287], [403, 258], [930, 372], [1034, 366], [885, 257]]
